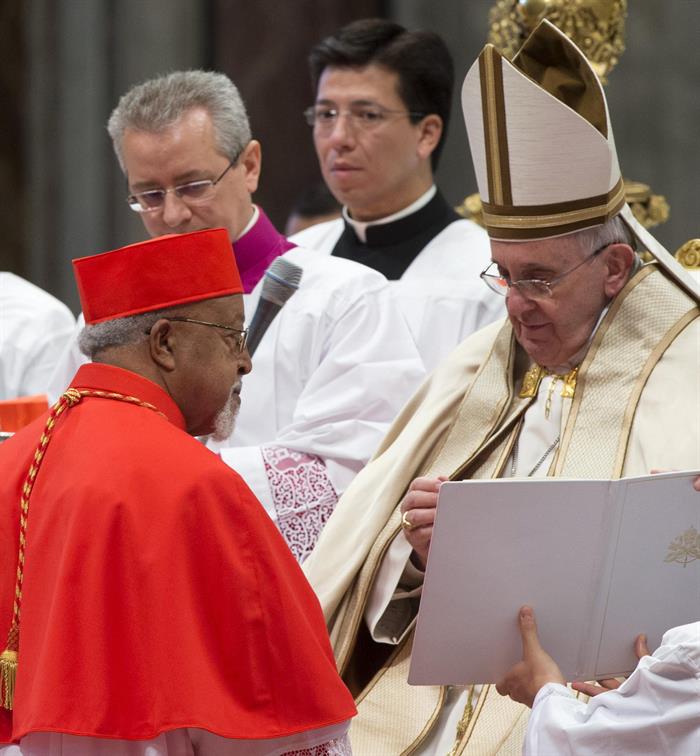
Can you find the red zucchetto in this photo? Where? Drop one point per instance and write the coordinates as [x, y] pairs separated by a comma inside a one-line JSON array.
[[161, 272]]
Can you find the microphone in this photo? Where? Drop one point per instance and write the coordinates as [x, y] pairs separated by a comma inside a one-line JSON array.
[[281, 280]]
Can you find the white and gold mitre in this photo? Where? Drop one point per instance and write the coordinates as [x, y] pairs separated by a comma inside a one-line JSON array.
[[542, 145], [540, 138]]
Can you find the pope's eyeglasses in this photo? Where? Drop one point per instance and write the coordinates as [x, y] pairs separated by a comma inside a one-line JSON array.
[[192, 193], [530, 288], [362, 116]]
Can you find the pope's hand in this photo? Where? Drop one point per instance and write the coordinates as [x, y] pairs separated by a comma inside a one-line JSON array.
[[536, 669], [418, 516]]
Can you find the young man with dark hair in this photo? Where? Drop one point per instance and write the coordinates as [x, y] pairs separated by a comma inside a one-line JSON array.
[[379, 121], [420, 59]]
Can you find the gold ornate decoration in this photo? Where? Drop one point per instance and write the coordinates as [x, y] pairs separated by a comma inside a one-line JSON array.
[[685, 548], [598, 28], [648, 208], [534, 376], [9, 659], [689, 254], [463, 723], [471, 209]]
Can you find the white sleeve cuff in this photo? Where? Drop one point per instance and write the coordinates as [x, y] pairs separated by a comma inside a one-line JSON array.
[[247, 461]]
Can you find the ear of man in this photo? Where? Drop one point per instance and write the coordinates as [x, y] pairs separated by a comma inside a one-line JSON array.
[[618, 259], [162, 343], [251, 161], [431, 128]]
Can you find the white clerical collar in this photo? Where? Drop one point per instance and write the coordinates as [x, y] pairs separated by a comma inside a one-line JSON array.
[[251, 222], [360, 227]]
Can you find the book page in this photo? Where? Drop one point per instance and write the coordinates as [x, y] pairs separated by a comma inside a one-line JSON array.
[[496, 546], [656, 579]]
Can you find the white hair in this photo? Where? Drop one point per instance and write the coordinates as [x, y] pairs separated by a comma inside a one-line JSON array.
[[157, 103], [119, 332], [614, 231]]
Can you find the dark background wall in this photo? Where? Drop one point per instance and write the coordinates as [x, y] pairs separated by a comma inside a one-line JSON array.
[[66, 62]]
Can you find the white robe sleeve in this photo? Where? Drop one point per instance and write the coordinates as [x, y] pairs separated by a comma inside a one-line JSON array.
[[34, 329], [67, 364], [393, 599], [329, 376], [656, 711]]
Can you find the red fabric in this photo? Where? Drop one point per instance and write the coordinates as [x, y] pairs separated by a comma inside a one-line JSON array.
[[16, 413], [157, 273], [157, 592]]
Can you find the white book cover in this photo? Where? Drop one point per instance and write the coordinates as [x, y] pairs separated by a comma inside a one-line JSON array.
[[599, 562]]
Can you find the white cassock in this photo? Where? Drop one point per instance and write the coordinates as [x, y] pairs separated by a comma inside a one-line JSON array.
[[328, 741], [329, 377], [655, 712], [440, 293], [34, 330]]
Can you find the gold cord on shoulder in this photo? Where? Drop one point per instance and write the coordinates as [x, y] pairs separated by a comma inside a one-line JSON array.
[[9, 658]]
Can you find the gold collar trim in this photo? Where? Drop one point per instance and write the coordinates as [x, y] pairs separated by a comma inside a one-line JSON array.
[[534, 376]]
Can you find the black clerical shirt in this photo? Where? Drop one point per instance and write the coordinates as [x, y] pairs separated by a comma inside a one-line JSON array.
[[391, 247]]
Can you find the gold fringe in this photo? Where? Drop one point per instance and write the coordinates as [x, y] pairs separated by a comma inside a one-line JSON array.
[[8, 675]]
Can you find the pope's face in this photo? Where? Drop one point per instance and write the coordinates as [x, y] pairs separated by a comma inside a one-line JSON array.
[[207, 383], [554, 330], [186, 151], [379, 170]]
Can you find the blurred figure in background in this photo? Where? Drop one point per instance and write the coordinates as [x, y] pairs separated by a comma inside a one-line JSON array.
[[34, 330], [315, 205]]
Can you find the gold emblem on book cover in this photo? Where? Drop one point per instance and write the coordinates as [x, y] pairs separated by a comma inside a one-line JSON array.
[[685, 548]]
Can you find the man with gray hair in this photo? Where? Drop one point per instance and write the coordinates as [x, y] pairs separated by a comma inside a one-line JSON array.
[[338, 361], [150, 606], [593, 375]]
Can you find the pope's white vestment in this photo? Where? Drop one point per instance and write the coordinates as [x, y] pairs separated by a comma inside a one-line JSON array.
[[360, 568]]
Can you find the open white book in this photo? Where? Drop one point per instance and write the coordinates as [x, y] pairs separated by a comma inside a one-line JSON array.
[[599, 562]]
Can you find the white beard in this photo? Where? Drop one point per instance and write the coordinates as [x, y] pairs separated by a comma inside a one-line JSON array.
[[225, 420]]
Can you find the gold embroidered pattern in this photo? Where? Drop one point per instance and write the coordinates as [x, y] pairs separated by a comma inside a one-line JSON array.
[[531, 381], [534, 376], [463, 723], [685, 548]]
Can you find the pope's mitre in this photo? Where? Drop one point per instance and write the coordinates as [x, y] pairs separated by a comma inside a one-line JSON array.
[[540, 138], [543, 149]]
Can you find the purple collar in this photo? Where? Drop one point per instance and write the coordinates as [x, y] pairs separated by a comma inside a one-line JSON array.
[[256, 249]]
